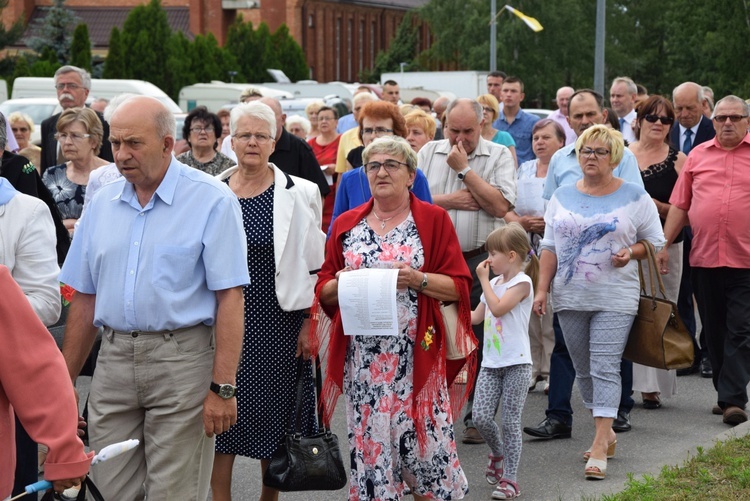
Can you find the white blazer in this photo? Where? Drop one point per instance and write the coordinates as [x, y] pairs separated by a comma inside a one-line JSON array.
[[27, 248], [298, 241]]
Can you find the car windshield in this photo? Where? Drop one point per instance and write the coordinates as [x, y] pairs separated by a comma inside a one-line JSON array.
[[36, 111]]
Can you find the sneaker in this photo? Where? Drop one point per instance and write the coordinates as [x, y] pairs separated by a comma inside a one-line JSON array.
[[494, 471]]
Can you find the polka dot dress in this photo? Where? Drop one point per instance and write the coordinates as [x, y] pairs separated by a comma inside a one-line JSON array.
[[266, 379]]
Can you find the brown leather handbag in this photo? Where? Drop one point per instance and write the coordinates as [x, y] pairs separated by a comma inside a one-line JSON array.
[[658, 338]]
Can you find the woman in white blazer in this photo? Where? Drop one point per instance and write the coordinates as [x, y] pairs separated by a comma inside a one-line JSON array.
[[282, 217], [27, 248]]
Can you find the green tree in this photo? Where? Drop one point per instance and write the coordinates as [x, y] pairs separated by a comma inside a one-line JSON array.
[[402, 49], [178, 72], [80, 49], [54, 32], [114, 66], [241, 43], [146, 36], [290, 56], [209, 61]]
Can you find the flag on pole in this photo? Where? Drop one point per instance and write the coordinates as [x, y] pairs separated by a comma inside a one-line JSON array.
[[530, 21]]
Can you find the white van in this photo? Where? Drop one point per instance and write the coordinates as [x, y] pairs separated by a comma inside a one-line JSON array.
[[216, 94], [105, 88]]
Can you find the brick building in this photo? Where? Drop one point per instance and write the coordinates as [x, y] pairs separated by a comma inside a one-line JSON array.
[[339, 37]]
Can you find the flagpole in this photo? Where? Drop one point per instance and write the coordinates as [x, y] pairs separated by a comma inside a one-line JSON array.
[[493, 35]]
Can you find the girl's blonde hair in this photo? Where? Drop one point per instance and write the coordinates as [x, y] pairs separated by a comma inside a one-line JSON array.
[[512, 237]]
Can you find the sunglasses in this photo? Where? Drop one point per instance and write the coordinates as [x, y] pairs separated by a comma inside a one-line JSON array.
[[664, 120]]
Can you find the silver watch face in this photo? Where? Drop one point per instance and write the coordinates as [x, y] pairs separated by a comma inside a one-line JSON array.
[[226, 390]]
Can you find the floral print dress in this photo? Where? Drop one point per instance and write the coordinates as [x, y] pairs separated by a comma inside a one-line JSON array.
[[378, 385]]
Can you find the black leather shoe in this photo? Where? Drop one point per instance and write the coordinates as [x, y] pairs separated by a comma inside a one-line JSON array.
[[549, 428], [689, 370], [706, 369], [622, 423]]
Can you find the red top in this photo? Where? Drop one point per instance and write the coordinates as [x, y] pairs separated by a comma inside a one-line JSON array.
[[442, 254], [714, 188], [34, 383], [325, 154]]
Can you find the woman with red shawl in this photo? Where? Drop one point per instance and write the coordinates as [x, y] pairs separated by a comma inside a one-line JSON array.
[[399, 390]]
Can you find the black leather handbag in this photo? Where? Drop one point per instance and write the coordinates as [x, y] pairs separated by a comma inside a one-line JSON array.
[[302, 463]]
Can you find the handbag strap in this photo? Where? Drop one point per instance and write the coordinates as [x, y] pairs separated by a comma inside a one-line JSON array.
[[295, 418], [653, 271]]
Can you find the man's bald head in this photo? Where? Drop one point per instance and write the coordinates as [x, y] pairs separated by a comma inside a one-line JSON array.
[[275, 105]]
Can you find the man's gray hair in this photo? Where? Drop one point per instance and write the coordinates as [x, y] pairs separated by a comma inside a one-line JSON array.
[[394, 146], [692, 85], [114, 103], [256, 110], [363, 97], [3, 132], [85, 76], [465, 100], [733, 99], [164, 122], [629, 83]]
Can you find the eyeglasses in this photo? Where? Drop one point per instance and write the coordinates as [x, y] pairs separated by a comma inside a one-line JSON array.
[[488, 109], [71, 86], [598, 153], [325, 119], [390, 166], [61, 137], [259, 138], [19, 129], [653, 118], [197, 130], [377, 130], [733, 118]]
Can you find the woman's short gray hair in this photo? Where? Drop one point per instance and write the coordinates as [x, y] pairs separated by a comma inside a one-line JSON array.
[[256, 110], [18, 116], [298, 119], [391, 145]]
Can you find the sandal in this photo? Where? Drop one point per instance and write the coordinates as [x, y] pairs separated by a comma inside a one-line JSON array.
[[507, 489], [596, 469], [610, 451], [494, 471]]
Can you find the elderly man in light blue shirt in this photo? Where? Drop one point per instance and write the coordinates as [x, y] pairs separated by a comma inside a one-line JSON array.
[[158, 262]]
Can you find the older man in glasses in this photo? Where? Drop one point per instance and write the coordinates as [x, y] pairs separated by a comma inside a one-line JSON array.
[[713, 193], [72, 85], [475, 181]]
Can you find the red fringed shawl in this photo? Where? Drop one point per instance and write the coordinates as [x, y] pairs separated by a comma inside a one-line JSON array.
[[442, 254]]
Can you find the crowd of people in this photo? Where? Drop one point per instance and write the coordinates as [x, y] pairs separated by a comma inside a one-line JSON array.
[[205, 280]]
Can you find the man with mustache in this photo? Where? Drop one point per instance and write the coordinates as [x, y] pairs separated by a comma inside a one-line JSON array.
[[73, 85]]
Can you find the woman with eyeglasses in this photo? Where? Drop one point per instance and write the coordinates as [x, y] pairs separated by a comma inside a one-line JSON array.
[[396, 387], [490, 112], [202, 130], [22, 126], [377, 119], [325, 146], [660, 164], [281, 215], [79, 134], [589, 252]]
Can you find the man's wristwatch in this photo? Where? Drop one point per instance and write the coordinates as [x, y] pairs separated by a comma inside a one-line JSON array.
[[461, 175], [225, 391]]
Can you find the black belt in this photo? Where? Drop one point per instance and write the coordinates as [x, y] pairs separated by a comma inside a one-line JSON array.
[[476, 252], [136, 333]]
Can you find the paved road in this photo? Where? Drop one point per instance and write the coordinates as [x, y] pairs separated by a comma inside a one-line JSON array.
[[553, 470]]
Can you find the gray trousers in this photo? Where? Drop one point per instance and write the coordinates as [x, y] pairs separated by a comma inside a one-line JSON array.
[[151, 387], [595, 341]]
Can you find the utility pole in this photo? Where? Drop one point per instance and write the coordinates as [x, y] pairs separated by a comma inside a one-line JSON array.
[[601, 7]]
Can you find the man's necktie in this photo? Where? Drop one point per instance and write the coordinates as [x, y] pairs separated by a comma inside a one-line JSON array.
[[622, 125], [688, 144]]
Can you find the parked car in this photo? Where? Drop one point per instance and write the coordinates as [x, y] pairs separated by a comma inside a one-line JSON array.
[[38, 108], [541, 113]]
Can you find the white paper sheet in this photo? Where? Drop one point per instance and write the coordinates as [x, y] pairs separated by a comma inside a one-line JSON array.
[[367, 301], [529, 201]]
